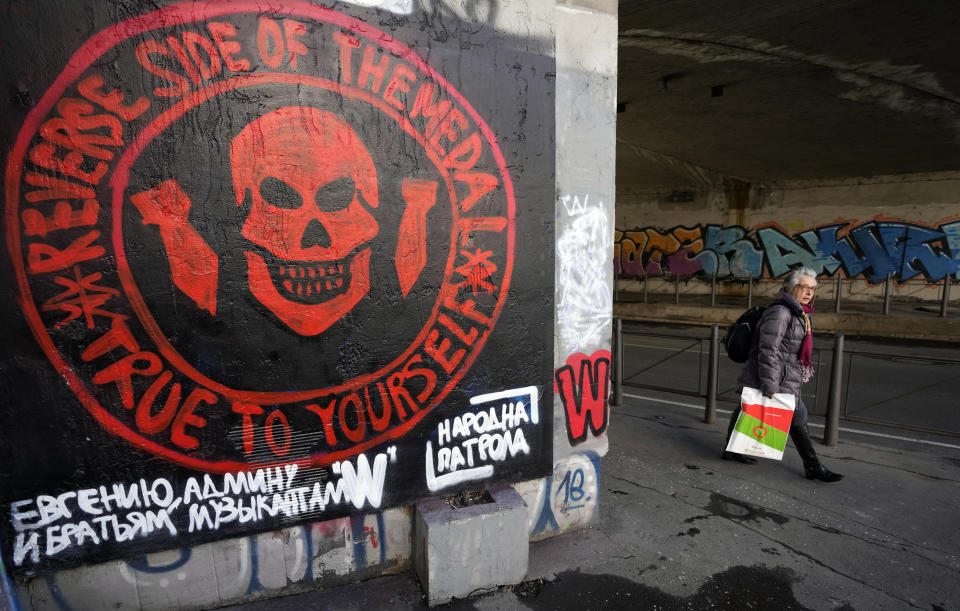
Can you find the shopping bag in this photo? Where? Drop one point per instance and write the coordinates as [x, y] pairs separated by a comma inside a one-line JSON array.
[[763, 425]]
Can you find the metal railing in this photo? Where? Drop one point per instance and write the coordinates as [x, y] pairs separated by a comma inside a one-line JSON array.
[[691, 344], [924, 377], [916, 388]]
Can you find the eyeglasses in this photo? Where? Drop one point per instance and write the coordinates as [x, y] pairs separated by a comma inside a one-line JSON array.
[[807, 288]]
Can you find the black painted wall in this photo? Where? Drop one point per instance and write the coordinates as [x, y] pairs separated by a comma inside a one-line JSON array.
[[266, 263]]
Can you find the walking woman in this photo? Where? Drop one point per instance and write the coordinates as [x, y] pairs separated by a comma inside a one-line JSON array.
[[780, 361]]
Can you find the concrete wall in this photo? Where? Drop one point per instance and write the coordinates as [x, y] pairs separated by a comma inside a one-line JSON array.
[[229, 571], [861, 229], [498, 195]]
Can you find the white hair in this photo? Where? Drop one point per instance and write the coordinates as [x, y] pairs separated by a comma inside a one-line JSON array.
[[794, 277]]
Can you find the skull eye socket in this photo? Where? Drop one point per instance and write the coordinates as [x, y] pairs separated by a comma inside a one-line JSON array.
[[279, 194], [335, 195]]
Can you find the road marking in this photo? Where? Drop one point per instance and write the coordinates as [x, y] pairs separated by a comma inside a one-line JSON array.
[[844, 429]]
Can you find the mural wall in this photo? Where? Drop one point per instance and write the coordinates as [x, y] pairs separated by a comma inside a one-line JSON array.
[[871, 250], [268, 264]]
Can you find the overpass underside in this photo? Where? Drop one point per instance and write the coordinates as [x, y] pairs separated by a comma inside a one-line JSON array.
[[755, 138]]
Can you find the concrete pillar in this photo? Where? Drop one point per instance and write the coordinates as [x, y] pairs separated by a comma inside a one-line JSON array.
[[586, 51]]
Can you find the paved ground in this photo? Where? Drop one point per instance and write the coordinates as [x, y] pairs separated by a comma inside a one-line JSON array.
[[682, 529]]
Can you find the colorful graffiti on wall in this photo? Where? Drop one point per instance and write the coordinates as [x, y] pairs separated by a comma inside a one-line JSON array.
[[583, 385], [267, 238], [301, 232], [872, 250]]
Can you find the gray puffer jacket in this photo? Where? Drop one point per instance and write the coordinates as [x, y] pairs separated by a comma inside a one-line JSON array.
[[773, 365]]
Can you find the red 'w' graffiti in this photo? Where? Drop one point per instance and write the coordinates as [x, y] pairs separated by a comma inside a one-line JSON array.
[[584, 386]]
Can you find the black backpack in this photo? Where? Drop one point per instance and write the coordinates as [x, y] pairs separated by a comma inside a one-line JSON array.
[[739, 336]]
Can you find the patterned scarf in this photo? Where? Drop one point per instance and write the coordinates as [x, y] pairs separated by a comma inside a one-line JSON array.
[[806, 349]]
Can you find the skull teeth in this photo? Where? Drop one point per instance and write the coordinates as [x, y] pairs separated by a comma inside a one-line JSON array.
[[308, 271], [309, 280]]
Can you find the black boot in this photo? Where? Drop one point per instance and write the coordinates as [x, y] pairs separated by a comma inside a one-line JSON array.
[[747, 460], [812, 467], [821, 473]]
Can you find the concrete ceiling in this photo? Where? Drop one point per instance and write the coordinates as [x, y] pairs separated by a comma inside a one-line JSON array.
[[775, 90]]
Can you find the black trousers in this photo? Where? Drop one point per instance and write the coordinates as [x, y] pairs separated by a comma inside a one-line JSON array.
[[798, 433]]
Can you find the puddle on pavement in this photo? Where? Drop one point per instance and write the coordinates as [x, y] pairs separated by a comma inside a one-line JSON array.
[[742, 511]]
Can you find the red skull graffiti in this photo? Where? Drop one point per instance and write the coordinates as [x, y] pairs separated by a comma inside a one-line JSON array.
[[307, 178]]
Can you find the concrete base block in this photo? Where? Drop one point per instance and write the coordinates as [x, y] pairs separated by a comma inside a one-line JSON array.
[[458, 552]]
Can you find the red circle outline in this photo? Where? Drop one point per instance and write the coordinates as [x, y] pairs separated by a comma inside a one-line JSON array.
[[178, 14]]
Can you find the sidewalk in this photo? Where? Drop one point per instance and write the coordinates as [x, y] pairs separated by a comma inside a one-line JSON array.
[[682, 529]]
